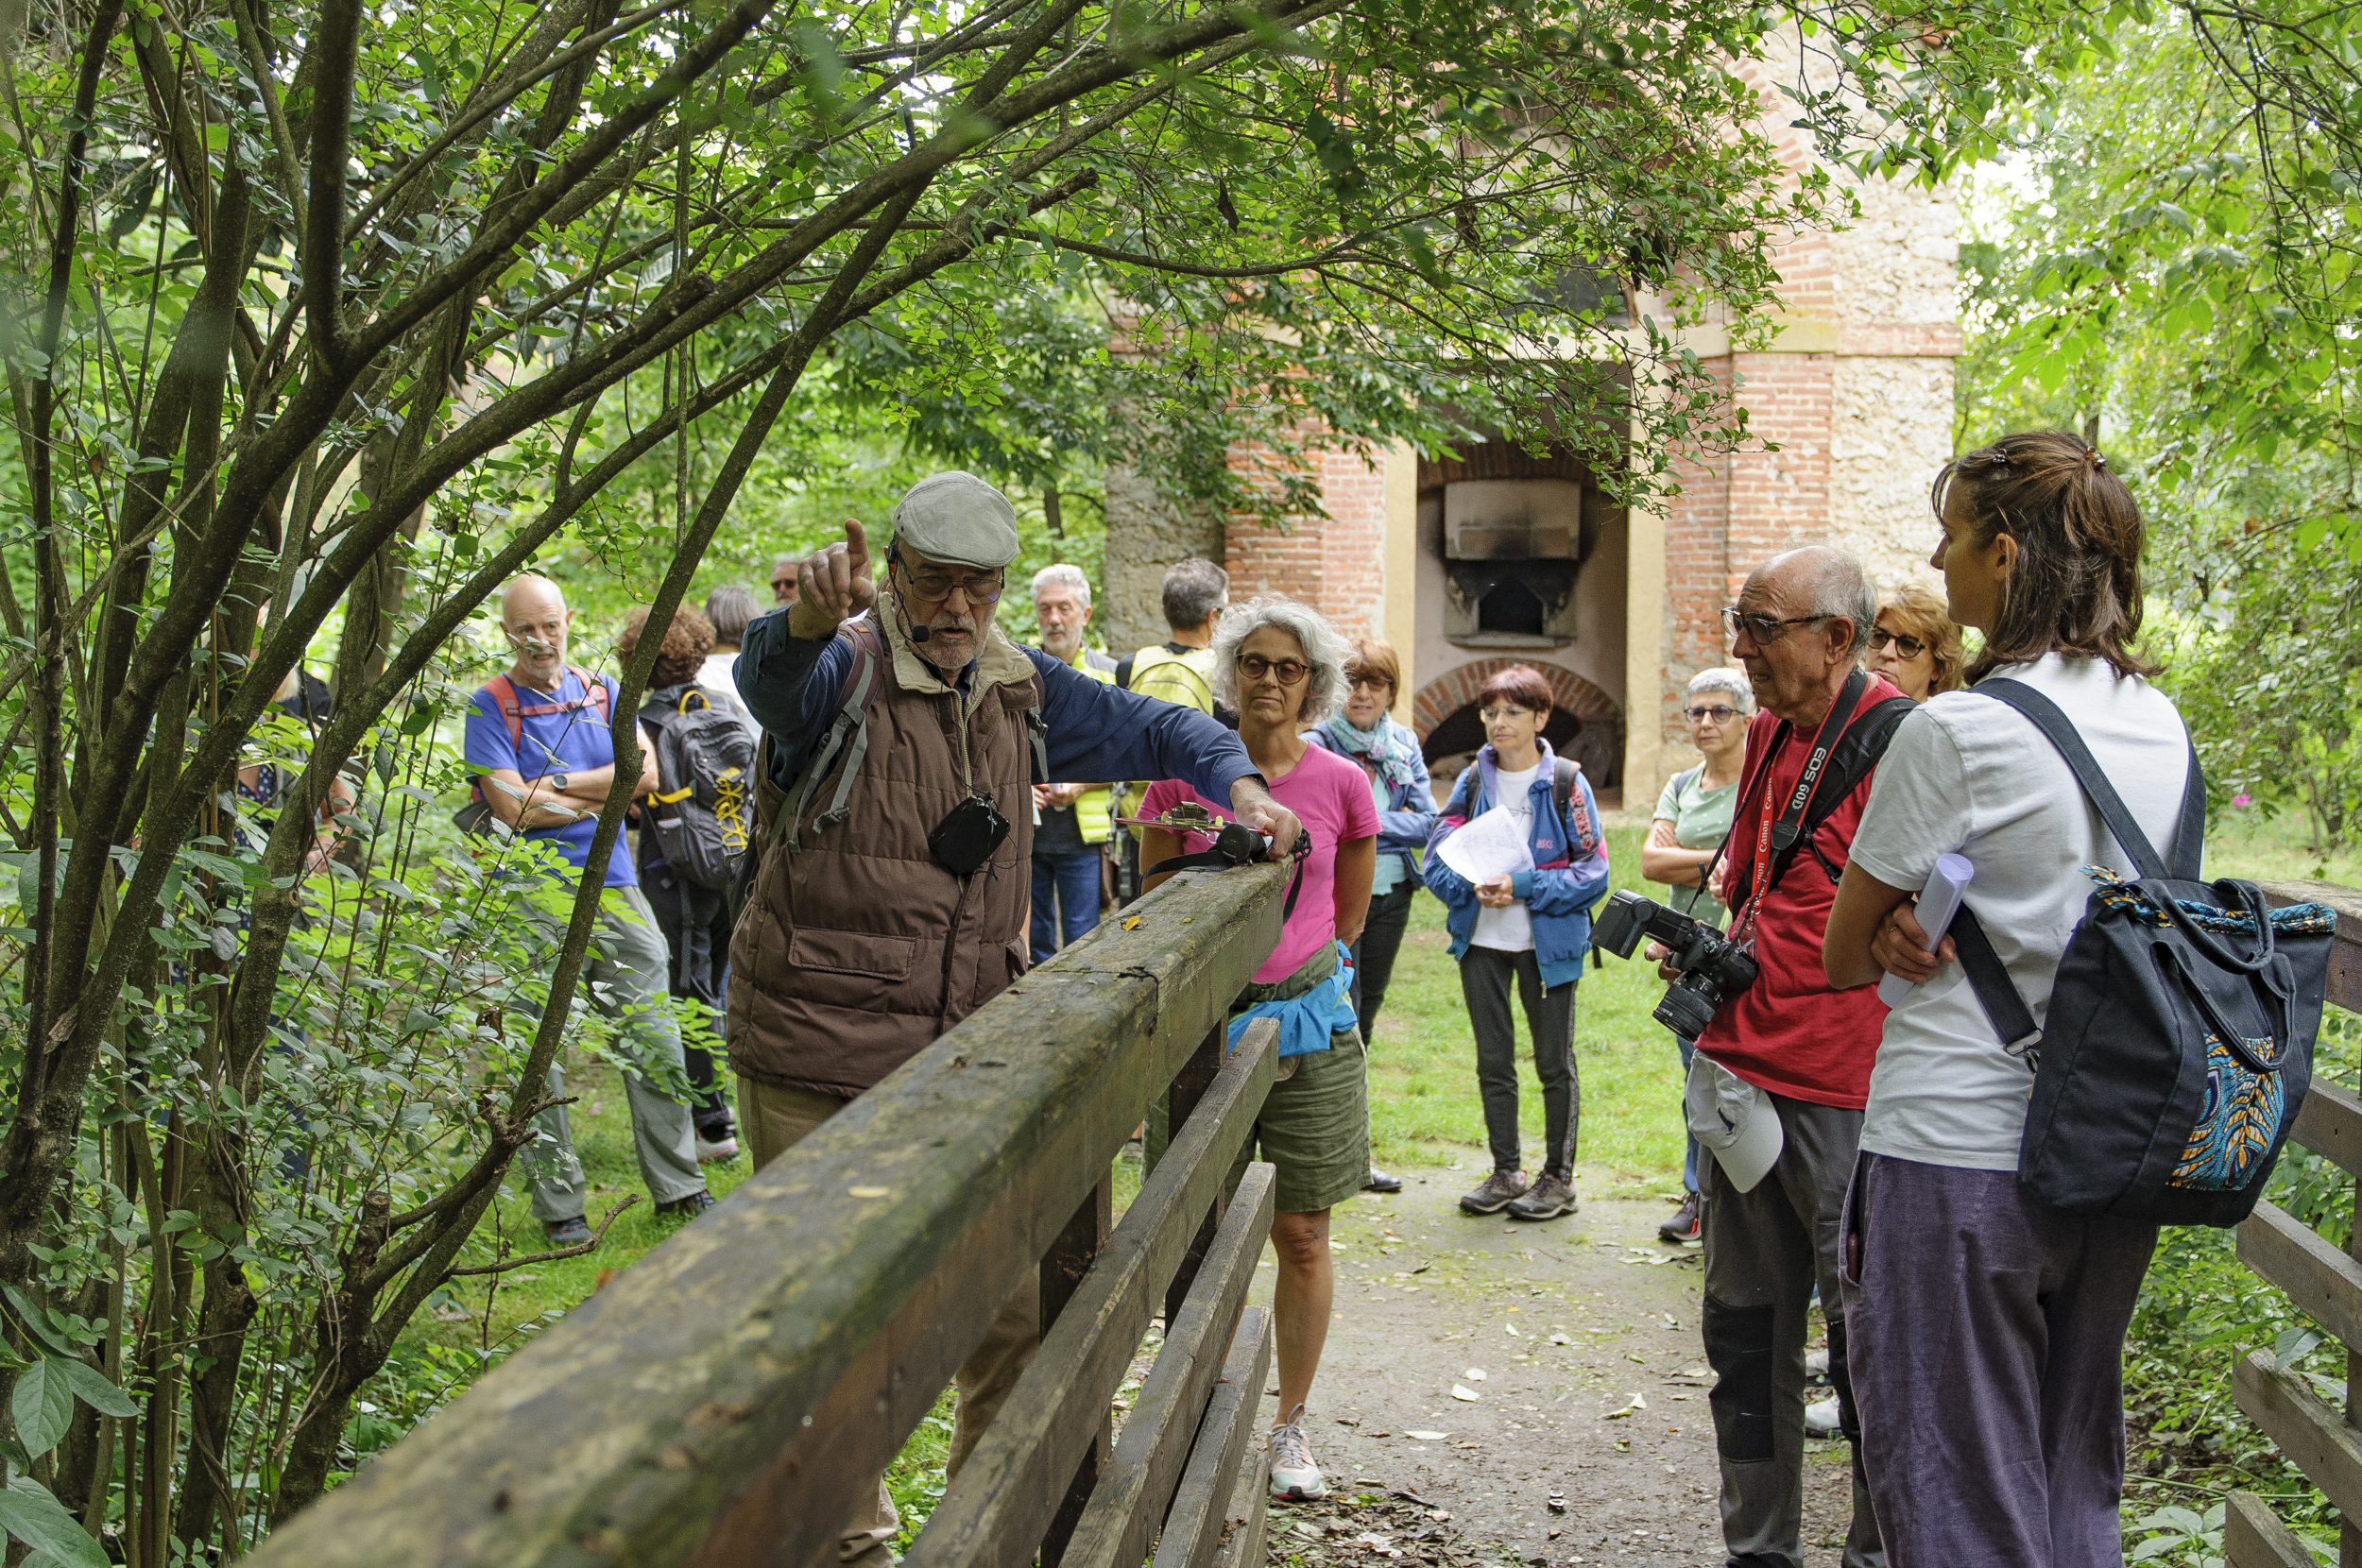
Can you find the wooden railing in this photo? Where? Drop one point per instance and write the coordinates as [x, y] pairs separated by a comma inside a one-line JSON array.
[[2322, 1441], [728, 1399]]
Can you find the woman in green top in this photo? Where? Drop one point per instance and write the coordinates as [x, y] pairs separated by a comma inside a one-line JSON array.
[[1692, 816]]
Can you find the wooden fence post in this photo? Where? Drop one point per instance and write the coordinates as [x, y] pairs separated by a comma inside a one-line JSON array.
[[1063, 1267], [1189, 1085]]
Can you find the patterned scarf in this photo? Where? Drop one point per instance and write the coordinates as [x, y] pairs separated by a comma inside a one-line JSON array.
[[1389, 748]]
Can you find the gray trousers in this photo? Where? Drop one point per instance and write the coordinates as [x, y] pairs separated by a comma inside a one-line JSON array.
[[1988, 1340], [1766, 1251], [1486, 977], [625, 972]]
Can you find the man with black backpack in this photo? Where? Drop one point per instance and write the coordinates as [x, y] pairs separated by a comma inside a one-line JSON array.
[[1782, 1070], [539, 743]]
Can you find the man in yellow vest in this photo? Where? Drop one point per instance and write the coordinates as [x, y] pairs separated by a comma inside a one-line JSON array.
[[1069, 844]]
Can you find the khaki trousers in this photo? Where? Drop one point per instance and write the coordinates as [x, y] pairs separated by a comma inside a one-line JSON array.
[[774, 1119]]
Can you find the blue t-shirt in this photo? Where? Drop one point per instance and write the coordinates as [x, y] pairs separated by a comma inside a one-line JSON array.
[[574, 740]]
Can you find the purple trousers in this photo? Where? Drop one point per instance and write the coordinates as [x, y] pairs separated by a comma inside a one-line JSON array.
[[1986, 1334]]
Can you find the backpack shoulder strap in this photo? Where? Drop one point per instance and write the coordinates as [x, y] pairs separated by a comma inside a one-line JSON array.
[[504, 695], [1573, 816], [594, 690], [848, 733], [2060, 731]]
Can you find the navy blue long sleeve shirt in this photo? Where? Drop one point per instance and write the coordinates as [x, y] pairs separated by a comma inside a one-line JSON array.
[[1098, 732]]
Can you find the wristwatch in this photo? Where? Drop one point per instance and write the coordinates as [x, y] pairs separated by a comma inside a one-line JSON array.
[[556, 781]]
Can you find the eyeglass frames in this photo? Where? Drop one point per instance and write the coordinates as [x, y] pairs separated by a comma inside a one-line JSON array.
[[1909, 647], [1765, 629], [1719, 713], [1290, 670]]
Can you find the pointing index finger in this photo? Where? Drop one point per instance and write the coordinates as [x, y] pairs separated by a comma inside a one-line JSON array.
[[856, 544]]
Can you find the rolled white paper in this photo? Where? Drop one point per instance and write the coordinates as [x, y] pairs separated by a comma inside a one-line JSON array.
[[1938, 903]]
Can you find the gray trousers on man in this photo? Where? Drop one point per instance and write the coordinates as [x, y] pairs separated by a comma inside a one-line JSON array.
[[625, 975], [1766, 1250], [1988, 1354]]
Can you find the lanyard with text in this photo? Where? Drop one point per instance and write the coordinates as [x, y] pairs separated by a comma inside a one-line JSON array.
[[1782, 834]]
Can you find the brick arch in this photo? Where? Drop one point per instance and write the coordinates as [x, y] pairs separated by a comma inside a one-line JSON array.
[[1446, 695]]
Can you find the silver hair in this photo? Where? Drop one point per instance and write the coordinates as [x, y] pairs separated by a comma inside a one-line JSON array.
[[1194, 590], [1836, 583], [1324, 649], [1731, 681], [1065, 575]]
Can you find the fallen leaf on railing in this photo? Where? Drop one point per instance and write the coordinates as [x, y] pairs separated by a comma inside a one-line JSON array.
[[1458, 1393]]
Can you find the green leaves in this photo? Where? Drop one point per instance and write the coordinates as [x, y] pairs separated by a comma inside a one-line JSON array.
[[41, 1406], [33, 1516]]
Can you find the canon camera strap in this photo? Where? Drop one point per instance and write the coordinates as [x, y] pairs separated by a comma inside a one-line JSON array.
[[1779, 836]]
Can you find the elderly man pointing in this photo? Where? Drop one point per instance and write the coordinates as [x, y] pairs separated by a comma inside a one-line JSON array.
[[897, 905]]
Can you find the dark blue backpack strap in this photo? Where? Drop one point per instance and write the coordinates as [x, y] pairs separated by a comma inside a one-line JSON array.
[[1996, 993]]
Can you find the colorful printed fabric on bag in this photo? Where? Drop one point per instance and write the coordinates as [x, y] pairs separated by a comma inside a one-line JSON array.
[[2238, 1126]]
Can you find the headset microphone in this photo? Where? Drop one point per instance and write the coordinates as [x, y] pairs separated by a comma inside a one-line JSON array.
[[919, 633]]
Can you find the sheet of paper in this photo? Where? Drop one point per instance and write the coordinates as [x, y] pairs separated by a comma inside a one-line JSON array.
[[1491, 845]]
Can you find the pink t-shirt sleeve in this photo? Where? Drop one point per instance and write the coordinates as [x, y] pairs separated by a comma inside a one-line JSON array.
[[1357, 813]]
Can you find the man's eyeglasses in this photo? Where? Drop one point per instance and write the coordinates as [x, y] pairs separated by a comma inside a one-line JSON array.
[[934, 587], [1290, 670], [1909, 647], [1719, 713], [1765, 629]]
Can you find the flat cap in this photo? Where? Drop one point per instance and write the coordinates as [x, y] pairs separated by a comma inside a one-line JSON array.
[[958, 519]]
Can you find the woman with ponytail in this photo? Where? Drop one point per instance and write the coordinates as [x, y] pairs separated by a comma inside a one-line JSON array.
[[1985, 1328]]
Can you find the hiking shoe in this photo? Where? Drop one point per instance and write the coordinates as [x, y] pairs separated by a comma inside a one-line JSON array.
[[1381, 1182], [1499, 1190], [1294, 1478], [1821, 1418], [1684, 1226], [567, 1233], [688, 1207], [1817, 1366], [720, 1150], [1552, 1197]]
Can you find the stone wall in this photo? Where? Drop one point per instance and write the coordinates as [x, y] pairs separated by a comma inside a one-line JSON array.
[[1145, 535]]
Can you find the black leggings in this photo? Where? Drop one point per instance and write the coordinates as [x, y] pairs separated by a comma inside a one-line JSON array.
[[1374, 951], [1486, 975], [691, 918]]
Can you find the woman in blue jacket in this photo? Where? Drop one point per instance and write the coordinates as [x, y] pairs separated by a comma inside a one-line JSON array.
[[1389, 758], [1530, 930]]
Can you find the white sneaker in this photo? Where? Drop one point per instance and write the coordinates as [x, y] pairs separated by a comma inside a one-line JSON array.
[[1294, 1476], [1820, 1419], [1816, 1364], [721, 1150]]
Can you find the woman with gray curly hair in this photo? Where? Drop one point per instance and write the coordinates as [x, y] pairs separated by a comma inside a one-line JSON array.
[[1693, 816], [1283, 667]]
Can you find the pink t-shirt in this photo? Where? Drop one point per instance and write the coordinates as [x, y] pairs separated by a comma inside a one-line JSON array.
[[1331, 798]]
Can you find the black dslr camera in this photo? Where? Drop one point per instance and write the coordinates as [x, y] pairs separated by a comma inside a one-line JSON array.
[[1712, 965]]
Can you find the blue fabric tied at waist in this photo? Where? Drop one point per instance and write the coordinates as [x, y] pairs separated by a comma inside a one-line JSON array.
[[1307, 1021]]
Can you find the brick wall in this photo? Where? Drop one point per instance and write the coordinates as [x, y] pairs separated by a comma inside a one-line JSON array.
[[1336, 564]]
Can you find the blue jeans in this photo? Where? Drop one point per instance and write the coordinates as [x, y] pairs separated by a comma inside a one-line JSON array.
[[1066, 900], [1689, 1156]]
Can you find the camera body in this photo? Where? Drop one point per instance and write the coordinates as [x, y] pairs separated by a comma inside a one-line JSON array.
[[1712, 965]]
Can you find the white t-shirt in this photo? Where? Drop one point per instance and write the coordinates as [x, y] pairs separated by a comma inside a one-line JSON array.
[[1510, 930], [715, 675], [1967, 775]]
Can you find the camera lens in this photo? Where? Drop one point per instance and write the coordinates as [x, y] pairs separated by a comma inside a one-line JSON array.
[[1686, 1009]]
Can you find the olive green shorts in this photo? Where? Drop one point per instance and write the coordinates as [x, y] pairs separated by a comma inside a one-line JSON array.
[[1314, 1128]]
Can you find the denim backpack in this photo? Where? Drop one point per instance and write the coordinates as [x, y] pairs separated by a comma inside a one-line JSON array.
[[2178, 1043]]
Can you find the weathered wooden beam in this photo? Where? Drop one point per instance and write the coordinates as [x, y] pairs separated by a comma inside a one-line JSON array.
[[1130, 1503], [1194, 1525], [1189, 1084], [2253, 1536], [735, 1391], [1240, 1543], [1064, 1267], [2330, 1124], [2308, 1431], [1002, 1504], [2320, 1278], [2345, 955]]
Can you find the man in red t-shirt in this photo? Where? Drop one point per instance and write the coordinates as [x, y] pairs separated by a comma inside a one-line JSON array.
[[1799, 627]]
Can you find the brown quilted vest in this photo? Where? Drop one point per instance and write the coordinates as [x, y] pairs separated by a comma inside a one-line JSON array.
[[857, 949]]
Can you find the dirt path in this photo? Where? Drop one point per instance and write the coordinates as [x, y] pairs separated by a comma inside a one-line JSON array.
[[1592, 1397]]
